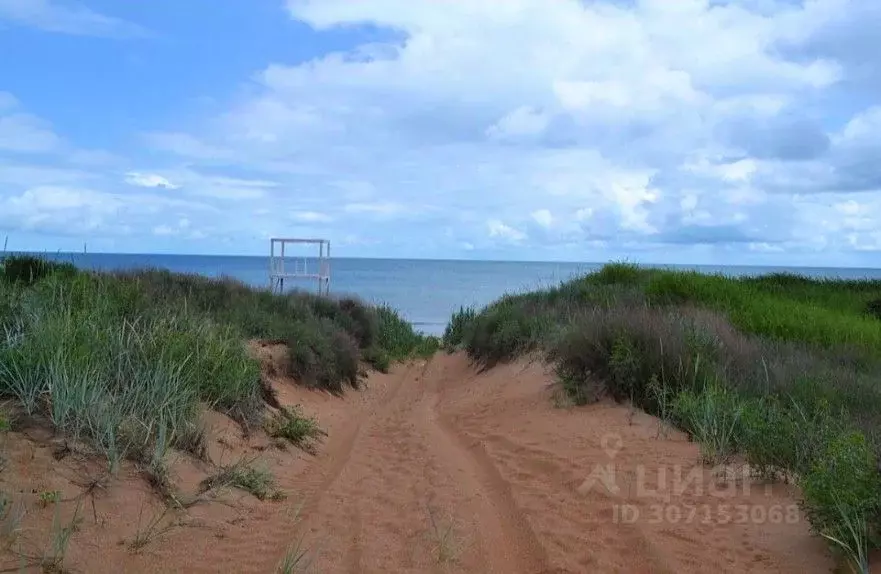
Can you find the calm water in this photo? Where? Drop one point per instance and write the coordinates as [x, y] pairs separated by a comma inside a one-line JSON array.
[[425, 292]]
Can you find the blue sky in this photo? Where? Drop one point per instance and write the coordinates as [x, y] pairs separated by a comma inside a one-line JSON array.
[[694, 131]]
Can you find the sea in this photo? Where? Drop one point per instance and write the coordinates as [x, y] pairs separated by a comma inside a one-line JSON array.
[[425, 292]]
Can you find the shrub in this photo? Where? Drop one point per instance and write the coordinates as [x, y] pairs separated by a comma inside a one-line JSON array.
[[458, 329], [842, 495], [619, 274], [359, 321], [322, 356], [377, 358], [873, 308], [28, 270], [398, 338], [617, 352], [502, 332]]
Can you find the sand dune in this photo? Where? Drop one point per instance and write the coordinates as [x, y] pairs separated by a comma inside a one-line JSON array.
[[431, 468]]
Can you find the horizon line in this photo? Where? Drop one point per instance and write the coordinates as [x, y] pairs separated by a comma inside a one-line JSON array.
[[445, 260]]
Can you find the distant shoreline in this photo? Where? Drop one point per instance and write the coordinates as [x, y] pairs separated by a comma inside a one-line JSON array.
[[594, 264]]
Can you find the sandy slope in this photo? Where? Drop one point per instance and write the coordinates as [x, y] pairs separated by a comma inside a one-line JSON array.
[[435, 468]]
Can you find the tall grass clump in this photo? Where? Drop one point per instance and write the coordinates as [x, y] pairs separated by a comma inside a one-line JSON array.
[[781, 370], [27, 269], [128, 385], [457, 329], [398, 339]]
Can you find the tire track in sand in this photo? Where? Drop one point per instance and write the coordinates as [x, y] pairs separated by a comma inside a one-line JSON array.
[[259, 550], [508, 542]]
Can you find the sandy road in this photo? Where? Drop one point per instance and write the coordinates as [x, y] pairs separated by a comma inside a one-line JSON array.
[[438, 468], [435, 468]]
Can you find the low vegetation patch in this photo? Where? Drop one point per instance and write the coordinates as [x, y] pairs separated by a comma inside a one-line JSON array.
[[127, 361], [780, 369], [247, 476], [290, 424]]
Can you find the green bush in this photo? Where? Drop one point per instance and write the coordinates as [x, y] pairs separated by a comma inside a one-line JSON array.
[[322, 356], [398, 339], [842, 496], [619, 274], [28, 270], [503, 331], [617, 352], [458, 329], [873, 308], [712, 416]]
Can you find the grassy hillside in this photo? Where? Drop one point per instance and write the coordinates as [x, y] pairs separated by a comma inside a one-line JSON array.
[[782, 370], [125, 361]]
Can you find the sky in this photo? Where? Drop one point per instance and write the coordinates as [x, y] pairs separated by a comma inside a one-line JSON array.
[[665, 131]]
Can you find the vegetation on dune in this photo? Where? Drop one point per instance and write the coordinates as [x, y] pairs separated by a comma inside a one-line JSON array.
[[780, 369], [125, 361]]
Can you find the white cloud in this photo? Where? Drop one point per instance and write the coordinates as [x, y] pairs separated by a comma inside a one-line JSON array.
[[384, 209], [70, 210], [22, 132], [528, 125], [503, 231], [312, 217], [148, 180], [521, 122], [186, 145], [615, 111], [67, 18], [543, 217]]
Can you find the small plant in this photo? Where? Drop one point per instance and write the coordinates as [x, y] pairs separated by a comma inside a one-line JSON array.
[[296, 560], [446, 543], [149, 531], [658, 393], [48, 497], [851, 537], [712, 417], [245, 476], [842, 494], [53, 559], [11, 515], [289, 423]]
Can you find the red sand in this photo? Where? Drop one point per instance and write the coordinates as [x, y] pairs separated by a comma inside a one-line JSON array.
[[432, 468]]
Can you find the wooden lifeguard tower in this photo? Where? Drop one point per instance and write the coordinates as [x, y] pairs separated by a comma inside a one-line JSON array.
[[279, 271]]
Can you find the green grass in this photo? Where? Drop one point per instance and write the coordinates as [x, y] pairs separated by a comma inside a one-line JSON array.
[[291, 424], [245, 475], [126, 361], [780, 369]]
